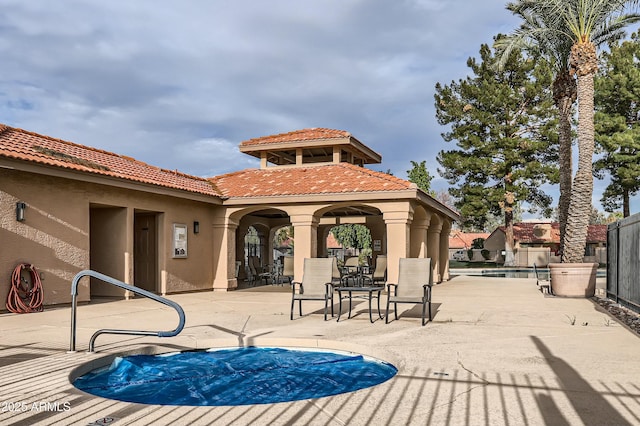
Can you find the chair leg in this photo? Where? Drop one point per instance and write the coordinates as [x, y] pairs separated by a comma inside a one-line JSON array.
[[395, 310], [293, 302], [300, 306], [424, 308], [386, 315]]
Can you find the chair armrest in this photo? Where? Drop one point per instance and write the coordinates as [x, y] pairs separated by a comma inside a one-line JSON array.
[[293, 287], [389, 288]]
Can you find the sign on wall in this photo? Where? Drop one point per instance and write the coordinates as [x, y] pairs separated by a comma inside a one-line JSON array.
[[179, 240]]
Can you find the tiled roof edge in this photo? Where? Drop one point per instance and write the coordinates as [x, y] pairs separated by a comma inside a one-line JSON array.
[[5, 127], [265, 139]]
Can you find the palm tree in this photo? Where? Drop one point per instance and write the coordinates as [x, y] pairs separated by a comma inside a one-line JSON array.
[[536, 36], [586, 24]]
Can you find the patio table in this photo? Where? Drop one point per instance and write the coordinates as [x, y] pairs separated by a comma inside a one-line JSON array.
[[356, 274], [370, 290]]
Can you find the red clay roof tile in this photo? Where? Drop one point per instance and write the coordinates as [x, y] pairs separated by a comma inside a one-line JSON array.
[[23, 145], [298, 135], [459, 239], [319, 179]]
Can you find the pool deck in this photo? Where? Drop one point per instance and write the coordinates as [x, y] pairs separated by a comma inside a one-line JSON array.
[[497, 352]]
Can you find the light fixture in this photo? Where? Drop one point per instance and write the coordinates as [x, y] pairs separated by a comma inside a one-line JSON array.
[[20, 208], [196, 227]]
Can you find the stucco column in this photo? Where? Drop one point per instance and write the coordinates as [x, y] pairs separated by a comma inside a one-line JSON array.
[[444, 250], [305, 229], [224, 261], [419, 236], [323, 234], [433, 249], [398, 240]]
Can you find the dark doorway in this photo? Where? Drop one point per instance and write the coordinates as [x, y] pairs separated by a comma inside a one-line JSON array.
[[145, 251]]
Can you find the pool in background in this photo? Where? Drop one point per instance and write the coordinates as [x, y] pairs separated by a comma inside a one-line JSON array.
[[234, 376], [510, 272]]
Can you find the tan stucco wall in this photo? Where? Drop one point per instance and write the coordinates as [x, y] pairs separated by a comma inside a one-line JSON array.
[[55, 235], [495, 241], [104, 243]]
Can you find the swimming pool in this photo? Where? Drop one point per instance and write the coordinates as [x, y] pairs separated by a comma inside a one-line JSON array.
[[234, 376], [510, 272]]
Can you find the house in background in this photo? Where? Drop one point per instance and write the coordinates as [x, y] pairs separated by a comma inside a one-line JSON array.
[[539, 242], [460, 242]]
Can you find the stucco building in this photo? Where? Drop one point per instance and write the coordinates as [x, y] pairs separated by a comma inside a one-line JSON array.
[[539, 242], [167, 232]]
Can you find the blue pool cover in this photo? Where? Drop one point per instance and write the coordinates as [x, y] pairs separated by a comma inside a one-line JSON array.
[[238, 376]]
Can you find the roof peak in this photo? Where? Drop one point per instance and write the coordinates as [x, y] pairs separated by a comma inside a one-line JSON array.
[[311, 145]]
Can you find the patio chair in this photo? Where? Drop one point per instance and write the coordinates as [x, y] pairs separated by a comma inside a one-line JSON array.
[[350, 269], [250, 272], [257, 271], [414, 286], [338, 274], [276, 272], [315, 285], [542, 280], [379, 274], [287, 268]]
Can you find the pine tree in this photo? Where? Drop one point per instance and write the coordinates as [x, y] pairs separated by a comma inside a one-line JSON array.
[[505, 127], [617, 123], [420, 176]]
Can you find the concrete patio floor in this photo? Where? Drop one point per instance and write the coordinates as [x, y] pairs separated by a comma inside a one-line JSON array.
[[498, 352]]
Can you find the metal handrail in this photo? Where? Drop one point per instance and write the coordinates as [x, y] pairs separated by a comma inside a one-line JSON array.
[[136, 290]]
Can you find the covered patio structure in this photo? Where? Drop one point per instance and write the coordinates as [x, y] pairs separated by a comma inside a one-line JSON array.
[[168, 232], [313, 180]]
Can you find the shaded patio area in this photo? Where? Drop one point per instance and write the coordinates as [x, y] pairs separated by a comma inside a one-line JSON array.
[[497, 352]]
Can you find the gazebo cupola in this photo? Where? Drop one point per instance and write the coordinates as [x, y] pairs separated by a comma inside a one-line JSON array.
[[310, 146]]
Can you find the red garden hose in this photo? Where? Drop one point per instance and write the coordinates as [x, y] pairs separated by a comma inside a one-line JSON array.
[[25, 294]]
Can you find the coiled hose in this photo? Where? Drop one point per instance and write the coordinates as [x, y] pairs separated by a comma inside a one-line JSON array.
[[25, 294]]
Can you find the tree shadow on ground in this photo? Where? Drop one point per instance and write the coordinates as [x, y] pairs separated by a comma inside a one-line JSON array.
[[585, 399]]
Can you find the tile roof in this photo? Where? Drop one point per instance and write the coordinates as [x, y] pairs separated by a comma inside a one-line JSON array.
[[332, 243], [298, 135], [335, 178], [459, 239], [530, 232], [525, 232], [597, 233], [23, 145]]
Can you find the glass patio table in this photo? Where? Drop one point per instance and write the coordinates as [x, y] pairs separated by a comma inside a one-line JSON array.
[[372, 291]]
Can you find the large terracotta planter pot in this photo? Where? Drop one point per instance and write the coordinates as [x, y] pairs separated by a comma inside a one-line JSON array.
[[573, 279]]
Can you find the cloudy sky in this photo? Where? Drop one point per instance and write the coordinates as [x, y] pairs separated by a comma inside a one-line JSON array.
[[179, 84]]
